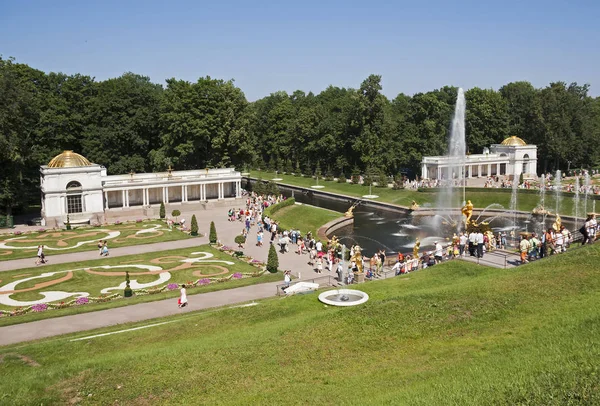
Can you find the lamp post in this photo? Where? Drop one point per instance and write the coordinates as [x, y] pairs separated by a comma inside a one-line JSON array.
[[568, 167]]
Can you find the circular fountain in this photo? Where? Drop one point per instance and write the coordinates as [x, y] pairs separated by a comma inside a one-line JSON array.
[[343, 297]]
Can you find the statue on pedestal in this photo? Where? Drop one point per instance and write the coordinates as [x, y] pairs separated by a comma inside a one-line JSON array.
[[414, 205], [416, 248], [349, 213], [467, 210], [557, 223]]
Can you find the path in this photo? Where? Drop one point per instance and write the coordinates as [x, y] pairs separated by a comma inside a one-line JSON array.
[[143, 311]]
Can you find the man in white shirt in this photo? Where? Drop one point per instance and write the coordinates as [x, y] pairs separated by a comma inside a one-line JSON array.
[[319, 246], [479, 244], [462, 242], [472, 243], [438, 252]]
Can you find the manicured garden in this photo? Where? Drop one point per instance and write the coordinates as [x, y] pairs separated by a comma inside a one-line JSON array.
[[456, 333], [527, 200], [15, 245], [95, 285]]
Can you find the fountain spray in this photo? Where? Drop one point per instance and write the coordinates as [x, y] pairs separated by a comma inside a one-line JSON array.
[[557, 186], [586, 187], [576, 199]]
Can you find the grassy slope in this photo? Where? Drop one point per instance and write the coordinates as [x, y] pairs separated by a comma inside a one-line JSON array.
[[457, 333], [304, 218], [525, 201], [83, 282], [125, 239]]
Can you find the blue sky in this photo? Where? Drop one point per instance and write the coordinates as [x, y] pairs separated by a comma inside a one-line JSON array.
[[269, 46]]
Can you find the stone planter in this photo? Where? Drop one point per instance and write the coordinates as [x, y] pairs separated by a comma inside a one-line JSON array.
[[359, 277]]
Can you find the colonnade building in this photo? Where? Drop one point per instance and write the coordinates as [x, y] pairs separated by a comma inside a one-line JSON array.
[[72, 185], [511, 158]]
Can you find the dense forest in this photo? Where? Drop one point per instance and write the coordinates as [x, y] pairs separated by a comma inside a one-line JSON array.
[[131, 124]]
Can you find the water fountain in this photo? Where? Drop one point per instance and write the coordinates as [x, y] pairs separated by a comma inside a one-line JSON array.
[[576, 198], [513, 203], [557, 189], [457, 151], [586, 186], [343, 297]]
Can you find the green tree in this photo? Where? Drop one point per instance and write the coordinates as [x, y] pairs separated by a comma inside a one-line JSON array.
[[212, 236], [486, 119], [176, 214], [194, 226], [272, 260], [162, 212]]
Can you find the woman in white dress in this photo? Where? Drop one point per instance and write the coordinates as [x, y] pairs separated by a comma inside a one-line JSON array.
[[183, 298]]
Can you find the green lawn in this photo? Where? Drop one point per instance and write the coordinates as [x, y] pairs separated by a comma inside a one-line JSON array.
[[63, 241], [526, 200], [304, 218], [83, 281], [456, 333]]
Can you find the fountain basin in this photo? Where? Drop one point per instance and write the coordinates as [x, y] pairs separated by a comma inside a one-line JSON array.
[[343, 297]]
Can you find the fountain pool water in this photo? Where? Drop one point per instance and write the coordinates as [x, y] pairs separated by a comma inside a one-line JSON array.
[[343, 297]]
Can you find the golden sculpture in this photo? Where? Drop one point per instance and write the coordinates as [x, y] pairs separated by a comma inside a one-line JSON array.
[[414, 205], [467, 210], [557, 223], [349, 213], [357, 258], [416, 248], [334, 242]]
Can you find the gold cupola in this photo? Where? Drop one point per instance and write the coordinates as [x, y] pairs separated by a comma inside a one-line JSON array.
[[68, 159], [514, 141]]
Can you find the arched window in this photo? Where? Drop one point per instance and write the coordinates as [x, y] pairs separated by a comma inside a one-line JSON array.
[[525, 162], [74, 201], [503, 155]]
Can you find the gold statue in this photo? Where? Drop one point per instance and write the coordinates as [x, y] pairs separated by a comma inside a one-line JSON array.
[[414, 205], [557, 223], [416, 248], [334, 242], [349, 213], [357, 258], [468, 212]]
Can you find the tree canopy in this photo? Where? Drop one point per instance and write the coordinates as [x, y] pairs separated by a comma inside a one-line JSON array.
[[129, 124]]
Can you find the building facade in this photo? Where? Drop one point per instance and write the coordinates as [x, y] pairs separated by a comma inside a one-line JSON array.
[[511, 158], [72, 185]]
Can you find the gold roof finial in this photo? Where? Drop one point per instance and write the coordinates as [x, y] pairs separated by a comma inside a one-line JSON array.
[[68, 159]]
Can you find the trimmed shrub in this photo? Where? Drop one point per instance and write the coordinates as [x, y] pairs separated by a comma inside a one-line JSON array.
[[176, 214], [212, 236], [272, 260], [521, 178], [162, 212], [240, 239], [127, 292], [194, 226], [269, 211], [68, 223]]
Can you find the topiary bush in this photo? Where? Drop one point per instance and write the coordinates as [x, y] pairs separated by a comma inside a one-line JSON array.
[[127, 292], [68, 223], [212, 236], [240, 239], [162, 212], [272, 260], [176, 214], [194, 226]]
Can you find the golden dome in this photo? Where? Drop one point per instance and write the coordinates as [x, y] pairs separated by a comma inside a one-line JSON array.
[[514, 141], [68, 159]]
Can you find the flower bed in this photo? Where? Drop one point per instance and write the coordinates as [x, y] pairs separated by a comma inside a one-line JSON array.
[[42, 307]]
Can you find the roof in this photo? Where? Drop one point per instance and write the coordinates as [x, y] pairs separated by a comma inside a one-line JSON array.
[[68, 159], [514, 141]]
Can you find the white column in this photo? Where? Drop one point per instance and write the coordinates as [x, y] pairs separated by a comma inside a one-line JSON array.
[[479, 171], [220, 188], [489, 171], [183, 199], [239, 188], [123, 198], [143, 197], [203, 192], [106, 200]]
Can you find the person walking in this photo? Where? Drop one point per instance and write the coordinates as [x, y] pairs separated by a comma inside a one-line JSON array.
[[182, 302], [41, 258]]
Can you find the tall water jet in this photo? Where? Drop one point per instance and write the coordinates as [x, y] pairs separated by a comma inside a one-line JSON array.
[[576, 199], [457, 151], [557, 188], [586, 190], [513, 204]]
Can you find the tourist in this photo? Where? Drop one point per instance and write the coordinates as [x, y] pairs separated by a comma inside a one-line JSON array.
[[340, 271], [287, 278], [397, 268], [534, 246], [558, 242], [472, 243], [259, 237], [182, 302], [372, 263], [479, 239], [381, 261], [549, 238], [41, 258], [320, 265], [438, 252], [319, 246], [592, 230], [584, 231], [462, 242], [104, 249], [503, 240], [567, 237], [524, 247], [100, 245]]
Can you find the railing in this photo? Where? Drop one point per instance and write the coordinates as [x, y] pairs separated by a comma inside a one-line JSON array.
[[323, 281]]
